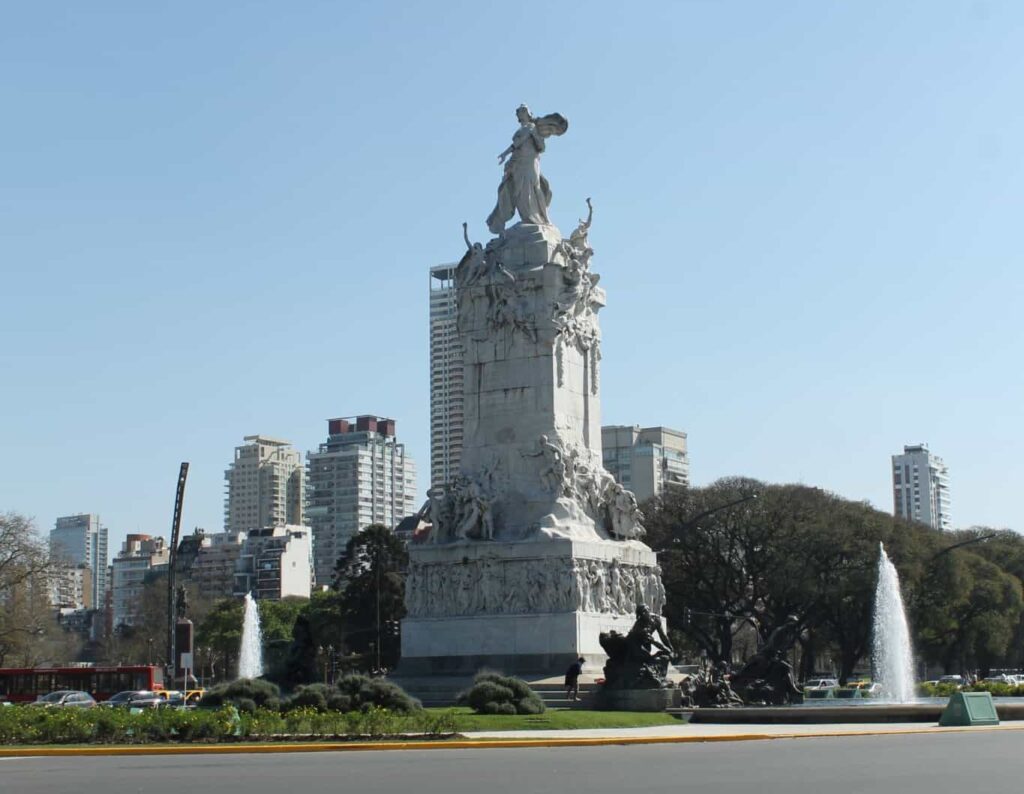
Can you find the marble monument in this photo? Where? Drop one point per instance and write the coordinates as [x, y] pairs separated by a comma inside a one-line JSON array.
[[535, 550]]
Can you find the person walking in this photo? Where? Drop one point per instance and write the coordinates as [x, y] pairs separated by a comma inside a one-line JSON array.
[[572, 679]]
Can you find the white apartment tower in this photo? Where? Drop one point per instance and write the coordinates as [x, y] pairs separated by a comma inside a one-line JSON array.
[[275, 563], [265, 485], [645, 460], [920, 487], [139, 555], [82, 540], [360, 476], [446, 379]]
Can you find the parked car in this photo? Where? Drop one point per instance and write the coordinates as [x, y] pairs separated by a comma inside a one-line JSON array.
[[66, 698], [821, 683], [134, 698], [176, 699], [952, 679]]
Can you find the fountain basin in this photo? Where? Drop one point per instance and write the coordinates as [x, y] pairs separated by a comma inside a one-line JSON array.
[[851, 712]]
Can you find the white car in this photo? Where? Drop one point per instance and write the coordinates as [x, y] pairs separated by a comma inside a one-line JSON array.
[[821, 683]]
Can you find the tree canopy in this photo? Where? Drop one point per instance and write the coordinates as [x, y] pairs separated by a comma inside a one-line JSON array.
[[739, 555]]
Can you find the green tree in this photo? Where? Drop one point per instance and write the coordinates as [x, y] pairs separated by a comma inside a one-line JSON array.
[[277, 620], [278, 617], [967, 612], [371, 577], [221, 632], [327, 616]]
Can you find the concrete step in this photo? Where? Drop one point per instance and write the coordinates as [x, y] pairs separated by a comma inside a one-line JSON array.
[[442, 691]]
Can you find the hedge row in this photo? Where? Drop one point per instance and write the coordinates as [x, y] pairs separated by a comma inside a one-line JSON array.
[[997, 689], [37, 725]]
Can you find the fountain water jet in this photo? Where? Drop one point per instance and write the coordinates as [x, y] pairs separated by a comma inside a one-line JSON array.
[[892, 655], [250, 658]]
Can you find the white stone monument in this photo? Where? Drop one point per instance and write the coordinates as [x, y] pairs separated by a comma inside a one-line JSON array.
[[535, 549]]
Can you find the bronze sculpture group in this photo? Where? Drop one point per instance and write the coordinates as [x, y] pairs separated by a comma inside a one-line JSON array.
[[640, 659]]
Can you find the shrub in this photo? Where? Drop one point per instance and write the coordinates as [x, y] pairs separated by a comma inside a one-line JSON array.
[[261, 693], [339, 702], [998, 689], [364, 692], [436, 723], [936, 690], [25, 725], [312, 696], [66, 725], [493, 693]]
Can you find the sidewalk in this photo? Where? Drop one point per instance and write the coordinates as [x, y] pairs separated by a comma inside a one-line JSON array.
[[687, 732]]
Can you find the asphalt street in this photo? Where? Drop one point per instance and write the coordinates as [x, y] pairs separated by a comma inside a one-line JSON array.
[[977, 762]]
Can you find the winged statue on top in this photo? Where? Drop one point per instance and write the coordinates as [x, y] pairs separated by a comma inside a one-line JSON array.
[[523, 188]]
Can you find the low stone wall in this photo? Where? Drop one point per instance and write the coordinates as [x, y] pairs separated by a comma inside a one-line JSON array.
[[636, 699]]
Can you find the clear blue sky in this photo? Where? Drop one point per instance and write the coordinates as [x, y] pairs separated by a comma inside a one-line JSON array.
[[216, 219]]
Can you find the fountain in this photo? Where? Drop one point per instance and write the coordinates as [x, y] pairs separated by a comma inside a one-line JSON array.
[[250, 658], [892, 656], [893, 664]]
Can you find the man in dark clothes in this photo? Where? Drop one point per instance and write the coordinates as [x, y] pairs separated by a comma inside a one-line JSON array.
[[572, 679]]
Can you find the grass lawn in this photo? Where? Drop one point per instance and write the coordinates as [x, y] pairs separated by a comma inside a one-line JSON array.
[[557, 719]]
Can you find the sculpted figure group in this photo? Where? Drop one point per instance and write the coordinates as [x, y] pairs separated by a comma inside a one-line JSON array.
[[464, 510], [573, 473], [507, 587], [640, 659]]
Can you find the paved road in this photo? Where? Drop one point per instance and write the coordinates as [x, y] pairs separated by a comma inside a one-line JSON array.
[[982, 762]]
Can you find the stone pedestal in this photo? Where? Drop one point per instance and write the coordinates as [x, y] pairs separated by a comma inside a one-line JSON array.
[[637, 699], [522, 607]]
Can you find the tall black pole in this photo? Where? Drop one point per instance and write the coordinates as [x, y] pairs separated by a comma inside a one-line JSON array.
[[179, 498], [379, 563]]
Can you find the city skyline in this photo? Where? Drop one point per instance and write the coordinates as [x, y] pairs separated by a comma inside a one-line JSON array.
[[797, 200]]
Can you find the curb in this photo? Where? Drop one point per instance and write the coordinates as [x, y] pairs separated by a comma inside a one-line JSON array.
[[458, 744]]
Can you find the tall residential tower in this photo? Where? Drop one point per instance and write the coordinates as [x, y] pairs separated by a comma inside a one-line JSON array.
[[446, 380], [360, 475], [265, 485], [920, 487], [82, 540]]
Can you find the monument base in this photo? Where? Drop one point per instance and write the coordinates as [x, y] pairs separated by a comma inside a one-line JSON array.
[[513, 644], [525, 607], [636, 699]]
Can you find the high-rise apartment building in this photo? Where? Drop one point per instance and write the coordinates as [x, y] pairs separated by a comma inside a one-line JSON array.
[[360, 476], [265, 485], [71, 587], [213, 571], [920, 487], [275, 562], [645, 460], [82, 540], [208, 560], [139, 555], [446, 378]]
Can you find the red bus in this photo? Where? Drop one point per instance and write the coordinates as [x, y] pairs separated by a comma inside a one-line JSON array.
[[25, 684]]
